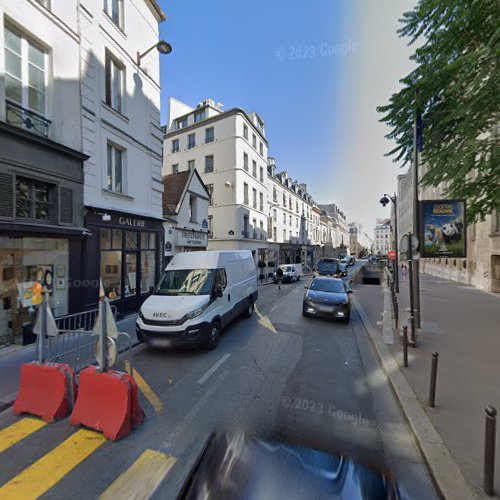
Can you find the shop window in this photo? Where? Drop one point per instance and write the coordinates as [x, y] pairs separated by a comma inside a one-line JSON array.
[[34, 199], [111, 273], [148, 266], [130, 274], [148, 240], [131, 240]]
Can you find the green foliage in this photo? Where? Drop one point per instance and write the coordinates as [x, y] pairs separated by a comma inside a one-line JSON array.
[[271, 263], [261, 264], [456, 88]]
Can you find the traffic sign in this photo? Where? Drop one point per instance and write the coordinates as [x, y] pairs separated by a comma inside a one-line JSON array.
[[404, 245], [392, 255]]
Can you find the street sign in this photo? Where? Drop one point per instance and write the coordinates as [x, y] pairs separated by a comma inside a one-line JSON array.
[[392, 255], [404, 245]]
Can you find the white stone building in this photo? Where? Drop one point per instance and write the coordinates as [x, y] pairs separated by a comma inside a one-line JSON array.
[[359, 241], [382, 240], [120, 107]]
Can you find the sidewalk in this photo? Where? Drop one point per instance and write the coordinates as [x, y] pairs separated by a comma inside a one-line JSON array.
[[11, 361], [462, 324]]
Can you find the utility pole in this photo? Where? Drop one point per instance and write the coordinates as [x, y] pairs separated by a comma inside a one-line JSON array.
[[416, 271]]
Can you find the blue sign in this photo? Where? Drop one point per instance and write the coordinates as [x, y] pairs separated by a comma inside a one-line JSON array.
[[168, 246], [204, 224]]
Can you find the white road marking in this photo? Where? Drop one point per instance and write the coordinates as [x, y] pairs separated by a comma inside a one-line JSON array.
[[274, 307], [212, 370]]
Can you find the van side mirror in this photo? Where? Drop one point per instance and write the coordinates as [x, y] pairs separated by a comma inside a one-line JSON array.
[[349, 291]]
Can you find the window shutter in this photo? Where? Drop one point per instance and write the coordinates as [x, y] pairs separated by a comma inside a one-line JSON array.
[[6, 196], [66, 205]]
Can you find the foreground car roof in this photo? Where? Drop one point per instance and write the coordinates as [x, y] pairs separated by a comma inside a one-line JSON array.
[[239, 467]]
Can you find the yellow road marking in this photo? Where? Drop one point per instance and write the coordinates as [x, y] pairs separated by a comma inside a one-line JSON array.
[[18, 431], [145, 389], [142, 478], [39, 477], [265, 321]]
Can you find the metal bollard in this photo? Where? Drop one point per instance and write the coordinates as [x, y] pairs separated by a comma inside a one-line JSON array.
[[489, 450], [405, 346], [432, 388]]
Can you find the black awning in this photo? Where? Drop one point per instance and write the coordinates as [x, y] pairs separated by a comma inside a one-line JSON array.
[[17, 229]]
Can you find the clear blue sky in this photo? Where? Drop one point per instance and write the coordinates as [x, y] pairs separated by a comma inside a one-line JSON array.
[[296, 64]]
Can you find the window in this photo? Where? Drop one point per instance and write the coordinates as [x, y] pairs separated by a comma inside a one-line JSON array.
[[261, 201], [191, 141], [175, 168], [261, 230], [261, 174], [115, 169], [254, 198], [210, 226], [284, 218], [275, 234], [290, 203], [114, 9], [209, 164], [284, 234], [115, 82], [181, 123], [254, 141], [290, 220], [193, 205], [284, 199], [34, 199], [275, 215], [209, 135], [261, 149], [175, 145], [245, 161], [190, 165], [220, 279], [297, 222], [25, 71], [210, 189], [245, 131], [254, 223], [297, 206], [275, 194], [497, 221], [245, 193], [200, 115], [254, 168]]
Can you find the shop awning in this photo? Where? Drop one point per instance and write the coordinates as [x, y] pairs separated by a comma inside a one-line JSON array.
[[18, 229]]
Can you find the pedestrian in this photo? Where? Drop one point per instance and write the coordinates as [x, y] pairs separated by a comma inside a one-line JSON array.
[[279, 276], [404, 271]]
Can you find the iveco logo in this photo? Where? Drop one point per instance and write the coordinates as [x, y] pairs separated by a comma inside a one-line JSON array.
[[161, 315]]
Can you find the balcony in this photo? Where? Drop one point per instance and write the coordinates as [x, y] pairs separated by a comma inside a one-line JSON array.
[[28, 120]]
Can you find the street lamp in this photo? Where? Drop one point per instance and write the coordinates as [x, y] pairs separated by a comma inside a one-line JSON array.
[[162, 46], [385, 200]]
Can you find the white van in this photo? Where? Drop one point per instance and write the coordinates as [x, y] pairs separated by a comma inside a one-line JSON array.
[[291, 273], [197, 296]]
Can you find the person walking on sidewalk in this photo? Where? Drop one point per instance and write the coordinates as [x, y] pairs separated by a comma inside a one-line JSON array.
[[404, 271], [279, 275]]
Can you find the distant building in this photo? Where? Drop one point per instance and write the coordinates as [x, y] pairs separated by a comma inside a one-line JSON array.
[[340, 228], [359, 242], [382, 240]]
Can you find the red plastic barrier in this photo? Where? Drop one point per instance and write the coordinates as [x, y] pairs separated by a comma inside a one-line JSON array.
[[107, 402], [46, 390]]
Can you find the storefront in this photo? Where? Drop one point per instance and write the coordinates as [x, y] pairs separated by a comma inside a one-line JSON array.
[[124, 252], [183, 240]]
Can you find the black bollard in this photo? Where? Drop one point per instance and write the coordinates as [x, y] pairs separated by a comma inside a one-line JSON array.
[[432, 388], [405, 346], [489, 450]]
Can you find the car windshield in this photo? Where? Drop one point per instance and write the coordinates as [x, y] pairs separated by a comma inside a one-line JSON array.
[[327, 267], [186, 282], [287, 269], [327, 285]]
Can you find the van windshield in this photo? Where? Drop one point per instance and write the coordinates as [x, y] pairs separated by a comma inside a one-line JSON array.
[[186, 282]]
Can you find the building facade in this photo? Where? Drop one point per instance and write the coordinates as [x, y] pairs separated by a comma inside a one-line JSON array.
[[382, 239], [120, 109], [41, 160], [360, 243]]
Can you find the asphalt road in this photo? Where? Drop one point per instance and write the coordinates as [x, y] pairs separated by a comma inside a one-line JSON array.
[[276, 375]]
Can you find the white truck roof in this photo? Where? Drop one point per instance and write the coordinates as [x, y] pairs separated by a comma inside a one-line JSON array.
[[207, 259]]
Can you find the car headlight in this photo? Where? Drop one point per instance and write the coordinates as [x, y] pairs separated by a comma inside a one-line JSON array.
[[345, 302], [141, 315], [196, 312], [307, 299]]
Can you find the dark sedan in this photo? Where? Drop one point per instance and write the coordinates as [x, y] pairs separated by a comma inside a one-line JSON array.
[[327, 297]]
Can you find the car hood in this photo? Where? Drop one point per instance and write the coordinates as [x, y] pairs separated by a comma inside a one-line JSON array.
[[171, 307], [329, 297], [237, 466]]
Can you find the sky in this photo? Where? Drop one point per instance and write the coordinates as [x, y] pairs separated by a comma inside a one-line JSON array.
[[313, 71]]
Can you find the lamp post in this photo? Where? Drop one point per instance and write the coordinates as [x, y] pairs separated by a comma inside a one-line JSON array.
[[384, 201], [162, 46]]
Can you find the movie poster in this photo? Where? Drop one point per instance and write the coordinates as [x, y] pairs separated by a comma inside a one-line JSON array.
[[443, 229]]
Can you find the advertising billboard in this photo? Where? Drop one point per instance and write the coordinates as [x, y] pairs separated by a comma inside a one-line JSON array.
[[443, 230]]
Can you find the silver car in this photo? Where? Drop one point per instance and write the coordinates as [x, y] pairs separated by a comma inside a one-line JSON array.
[[328, 297]]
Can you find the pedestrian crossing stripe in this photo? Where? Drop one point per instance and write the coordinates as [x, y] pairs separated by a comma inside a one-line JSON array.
[[46, 472], [142, 478], [18, 431]]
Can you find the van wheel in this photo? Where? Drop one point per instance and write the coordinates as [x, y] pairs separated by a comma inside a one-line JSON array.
[[298, 277], [249, 309], [213, 339]]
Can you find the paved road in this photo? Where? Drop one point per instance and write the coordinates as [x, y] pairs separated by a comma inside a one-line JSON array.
[[276, 375]]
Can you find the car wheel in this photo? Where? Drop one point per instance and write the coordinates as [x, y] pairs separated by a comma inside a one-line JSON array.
[[348, 317], [250, 307], [298, 278], [213, 340]]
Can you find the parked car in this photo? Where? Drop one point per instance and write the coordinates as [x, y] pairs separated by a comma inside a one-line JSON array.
[[328, 267], [327, 297], [198, 295], [291, 273]]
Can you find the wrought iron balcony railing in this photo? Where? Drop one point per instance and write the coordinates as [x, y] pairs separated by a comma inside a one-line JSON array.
[[23, 118]]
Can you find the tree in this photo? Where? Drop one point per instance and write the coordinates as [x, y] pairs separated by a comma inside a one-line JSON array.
[[455, 87]]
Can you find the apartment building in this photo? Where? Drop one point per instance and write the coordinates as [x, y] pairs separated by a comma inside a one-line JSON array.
[[41, 159], [121, 134], [360, 242], [382, 240], [339, 227]]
